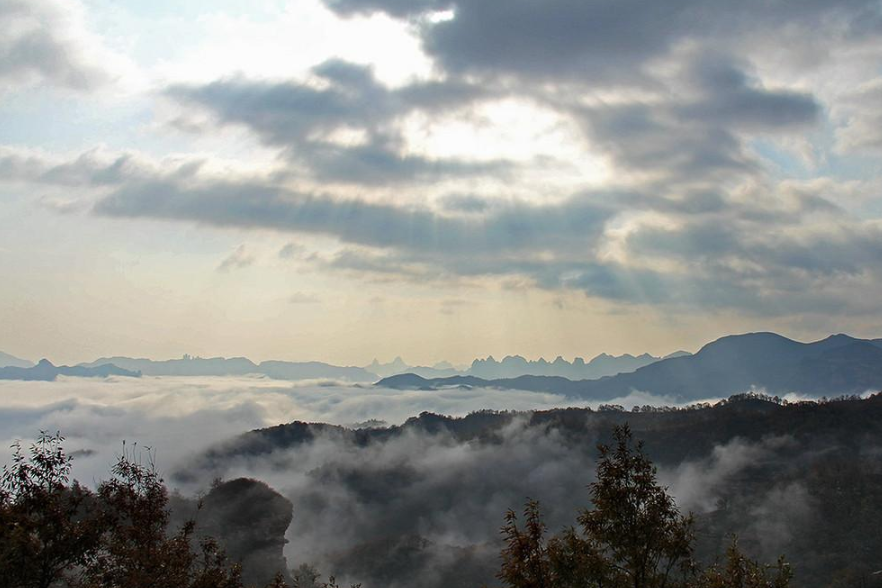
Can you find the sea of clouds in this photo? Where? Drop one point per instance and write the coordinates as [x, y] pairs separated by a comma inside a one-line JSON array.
[[449, 492], [177, 417]]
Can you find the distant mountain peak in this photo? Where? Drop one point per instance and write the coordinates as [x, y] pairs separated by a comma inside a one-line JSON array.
[[741, 339], [46, 371], [839, 338], [7, 360]]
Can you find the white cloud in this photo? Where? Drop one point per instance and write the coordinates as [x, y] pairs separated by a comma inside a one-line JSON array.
[[285, 41], [179, 416], [50, 42]]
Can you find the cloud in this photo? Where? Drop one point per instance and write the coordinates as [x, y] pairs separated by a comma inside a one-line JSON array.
[[753, 248], [451, 306], [180, 416], [302, 298], [784, 511], [697, 484], [771, 249], [446, 495], [861, 131], [450, 491], [94, 168], [675, 98], [97, 415], [729, 97], [653, 158], [693, 134], [516, 227], [303, 119], [400, 8], [603, 42], [465, 203], [291, 250], [238, 259], [46, 41]]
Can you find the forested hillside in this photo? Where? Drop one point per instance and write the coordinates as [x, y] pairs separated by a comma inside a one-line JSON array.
[[800, 479]]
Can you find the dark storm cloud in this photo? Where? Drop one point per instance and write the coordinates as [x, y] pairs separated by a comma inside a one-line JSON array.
[[602, 40]]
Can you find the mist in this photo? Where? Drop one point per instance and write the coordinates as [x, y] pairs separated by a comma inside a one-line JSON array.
[[410, 504], [177, 417]]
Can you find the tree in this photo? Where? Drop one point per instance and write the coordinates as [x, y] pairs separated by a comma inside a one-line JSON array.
[[633, 537], [635, 521], [568, 560], [54, 533], [742, 572], [306, 576], [137, 550], [48, 529]]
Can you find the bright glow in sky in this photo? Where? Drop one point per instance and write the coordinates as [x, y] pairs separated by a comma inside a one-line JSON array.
[[349, 179]]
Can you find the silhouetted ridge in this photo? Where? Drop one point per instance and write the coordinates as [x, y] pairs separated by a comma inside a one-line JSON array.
[[7, 360], [46, 371], [237, 366], [738, 363]]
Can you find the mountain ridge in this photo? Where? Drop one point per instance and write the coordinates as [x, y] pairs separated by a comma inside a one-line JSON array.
[[7, 360], [721, 368], [512, 366], [46, 371], [810, 469], [236, 366]]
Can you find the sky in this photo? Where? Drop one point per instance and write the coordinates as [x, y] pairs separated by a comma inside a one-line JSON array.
[[437, 179]]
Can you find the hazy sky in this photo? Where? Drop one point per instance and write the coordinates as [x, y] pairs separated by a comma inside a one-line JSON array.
[[439, 179]]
